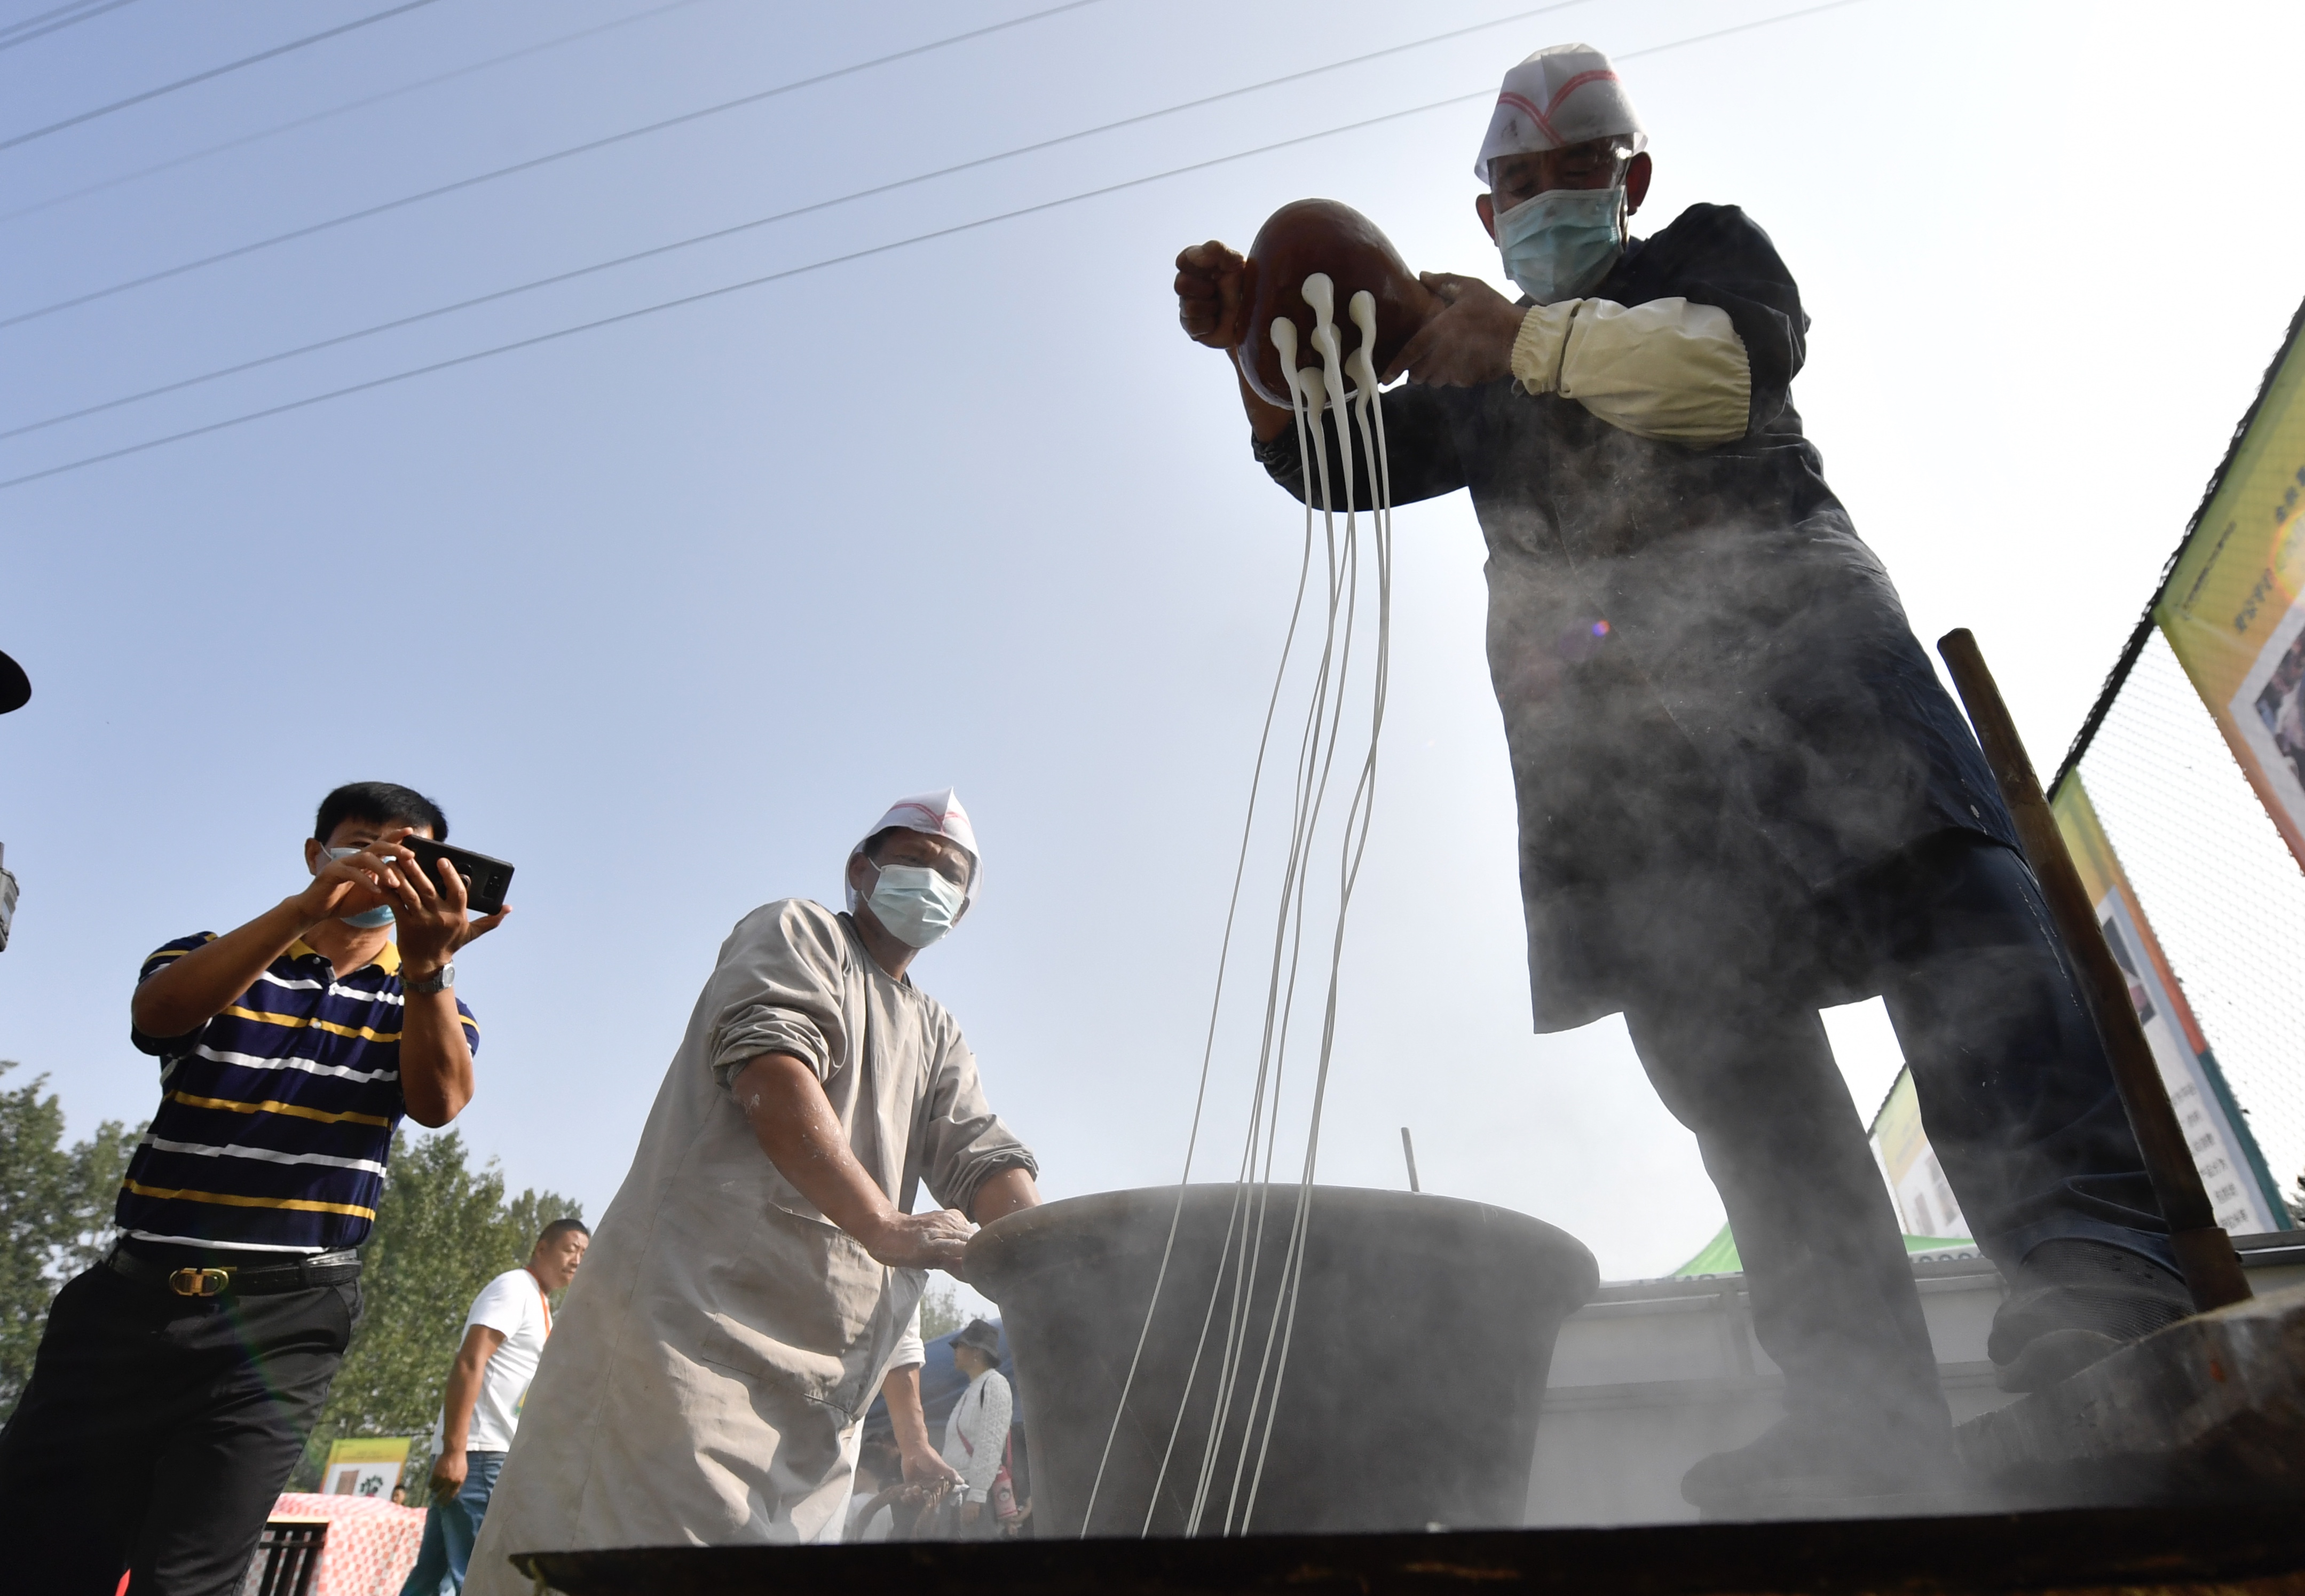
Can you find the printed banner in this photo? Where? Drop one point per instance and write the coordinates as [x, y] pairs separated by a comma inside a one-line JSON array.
[[1926, 1206], [2240, 1187], [365, 1465], [2231, 609]]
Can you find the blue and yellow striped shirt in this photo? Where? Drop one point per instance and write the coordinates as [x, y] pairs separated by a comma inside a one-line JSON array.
[[276, 1116]]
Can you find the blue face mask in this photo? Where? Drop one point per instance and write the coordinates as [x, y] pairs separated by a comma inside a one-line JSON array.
[[915, 904], [1563, 242], [369, 920]]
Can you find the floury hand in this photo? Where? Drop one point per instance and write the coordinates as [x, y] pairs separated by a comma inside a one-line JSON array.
[[931, 1241], [1468, 344], [781, 1098], [927, 1477]]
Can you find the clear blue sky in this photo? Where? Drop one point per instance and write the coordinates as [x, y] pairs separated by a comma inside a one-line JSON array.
[[666, 611]]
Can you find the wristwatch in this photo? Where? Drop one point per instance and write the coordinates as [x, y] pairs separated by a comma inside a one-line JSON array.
[[440, 982]]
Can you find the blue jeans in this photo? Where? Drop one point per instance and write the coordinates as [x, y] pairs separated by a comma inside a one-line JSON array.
[[451, 1527]]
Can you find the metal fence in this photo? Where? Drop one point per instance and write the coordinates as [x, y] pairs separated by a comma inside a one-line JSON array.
[[2223, 894], [287, 1558]]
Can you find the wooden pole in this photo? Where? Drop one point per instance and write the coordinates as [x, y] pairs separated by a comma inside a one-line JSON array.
[[2212, 1269]]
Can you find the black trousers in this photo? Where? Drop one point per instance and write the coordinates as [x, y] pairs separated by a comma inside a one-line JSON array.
[[157, 1431], [2015, 1088]]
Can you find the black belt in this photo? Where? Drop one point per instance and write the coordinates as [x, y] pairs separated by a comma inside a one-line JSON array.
[[325, 1269]]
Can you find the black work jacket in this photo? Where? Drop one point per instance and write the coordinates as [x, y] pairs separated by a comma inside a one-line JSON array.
[[1716, 710]]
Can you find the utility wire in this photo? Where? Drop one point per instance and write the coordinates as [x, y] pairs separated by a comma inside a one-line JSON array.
[[731, 230], [532, 164], [214, 71], [369, 212], [854, 255], [29, 28], [335, 111], [1699, 38], [713, 294], [34, 22]]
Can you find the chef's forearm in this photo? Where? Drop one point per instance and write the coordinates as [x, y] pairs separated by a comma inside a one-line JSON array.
[[902, 1388], [1265, 421], [793, 1123], [1003, 1193], [1667, 369]]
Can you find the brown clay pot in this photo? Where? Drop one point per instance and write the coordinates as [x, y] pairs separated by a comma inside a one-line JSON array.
[[1321, 235]]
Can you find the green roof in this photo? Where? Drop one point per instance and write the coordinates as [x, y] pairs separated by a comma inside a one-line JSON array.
[[1719, 1254]]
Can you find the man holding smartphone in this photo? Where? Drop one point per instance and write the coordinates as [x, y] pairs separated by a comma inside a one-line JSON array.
[[749, 1287], [177, 1381]]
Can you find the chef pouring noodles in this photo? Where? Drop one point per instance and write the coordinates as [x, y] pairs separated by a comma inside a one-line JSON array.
[[1743, 793]]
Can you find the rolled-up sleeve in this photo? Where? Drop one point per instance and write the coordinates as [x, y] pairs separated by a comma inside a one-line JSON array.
[[777, 990], [964, 1142], [1669, 369]]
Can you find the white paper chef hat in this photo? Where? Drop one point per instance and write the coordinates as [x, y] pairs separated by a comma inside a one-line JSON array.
[[1559, 97], [938, 814]]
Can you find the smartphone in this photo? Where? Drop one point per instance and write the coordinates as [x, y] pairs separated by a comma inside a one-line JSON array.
[[486, 880]]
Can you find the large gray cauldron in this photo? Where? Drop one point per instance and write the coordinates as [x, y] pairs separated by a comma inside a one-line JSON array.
[[1415, 1373]]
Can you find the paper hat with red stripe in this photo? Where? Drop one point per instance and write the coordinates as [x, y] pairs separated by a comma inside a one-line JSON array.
[[938, 814], [1559, 97]]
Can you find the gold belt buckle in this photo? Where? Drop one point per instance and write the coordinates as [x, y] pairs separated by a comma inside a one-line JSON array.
[[199, 1283]]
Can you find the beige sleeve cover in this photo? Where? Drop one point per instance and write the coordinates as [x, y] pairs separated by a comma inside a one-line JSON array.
[[1667, 370]]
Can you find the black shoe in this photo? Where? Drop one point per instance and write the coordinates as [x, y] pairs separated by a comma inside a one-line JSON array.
[[2074, 1303], [1802, 1468]]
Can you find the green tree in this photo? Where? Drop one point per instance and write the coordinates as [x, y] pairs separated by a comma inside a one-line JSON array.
[[940, 1311], [56, 1216], [443, 1230]]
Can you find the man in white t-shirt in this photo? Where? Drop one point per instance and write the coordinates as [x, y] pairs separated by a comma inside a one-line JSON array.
[[504, 1337]]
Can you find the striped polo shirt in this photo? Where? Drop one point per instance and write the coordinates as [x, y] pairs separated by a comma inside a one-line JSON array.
[[276, 1116]]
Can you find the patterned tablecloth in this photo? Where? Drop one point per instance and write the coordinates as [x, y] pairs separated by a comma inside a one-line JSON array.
[[372, 1544]]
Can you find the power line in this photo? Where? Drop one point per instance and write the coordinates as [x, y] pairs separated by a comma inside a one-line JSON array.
[[34, 22], [854, 255], [1789, 16], [335, 111], [214, 71], [530, 164], [713, 293], [783, 215], [29, 28]]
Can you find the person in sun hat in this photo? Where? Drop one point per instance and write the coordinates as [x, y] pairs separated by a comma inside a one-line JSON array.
[[976, 1431], [752, 1285], [1744, 795]]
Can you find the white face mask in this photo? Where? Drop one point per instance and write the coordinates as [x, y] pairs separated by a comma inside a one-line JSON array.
[[1562, 243], [367, 919], [915, 905]]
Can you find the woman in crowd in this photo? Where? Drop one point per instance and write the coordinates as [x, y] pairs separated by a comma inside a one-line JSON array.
[[976, 1435]]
